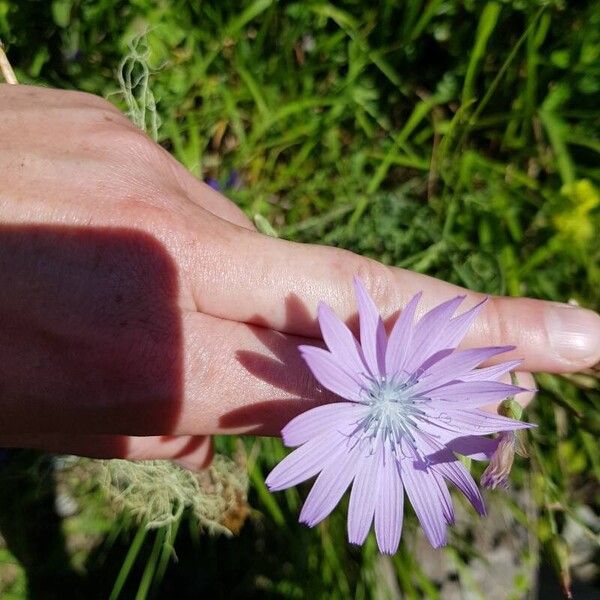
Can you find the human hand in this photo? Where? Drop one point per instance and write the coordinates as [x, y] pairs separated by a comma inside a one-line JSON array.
[[140, 312]]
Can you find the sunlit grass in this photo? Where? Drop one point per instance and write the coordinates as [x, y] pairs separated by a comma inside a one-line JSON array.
[[452, 138]]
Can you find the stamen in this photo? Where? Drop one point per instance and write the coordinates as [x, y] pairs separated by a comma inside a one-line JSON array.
[[394, 411]]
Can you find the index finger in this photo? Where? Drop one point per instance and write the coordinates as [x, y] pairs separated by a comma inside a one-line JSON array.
[[243, 276]]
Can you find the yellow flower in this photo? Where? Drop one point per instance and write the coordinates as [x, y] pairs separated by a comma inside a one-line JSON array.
[[576, 222]]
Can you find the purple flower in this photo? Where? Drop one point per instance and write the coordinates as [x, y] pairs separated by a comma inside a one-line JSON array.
[[497, 472], [233, 182], [410, 402], [213, 183]]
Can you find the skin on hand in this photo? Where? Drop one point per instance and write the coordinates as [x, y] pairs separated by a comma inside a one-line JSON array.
[[141, 312]]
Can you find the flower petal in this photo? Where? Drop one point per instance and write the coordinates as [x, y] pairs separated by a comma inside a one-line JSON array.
[[457, 364], [470, 422], [329, 487], [492, 373], [444, 497], [428, 331], [306, 461], [400, 337], [373, 339], [389, 506], [423, 492], [340, 341], [473, 446], [431, 361], [456, 329], [476, 447], [328, 417], [455, 471], [363, 496], [438, 443], [470, 394], [329, 373]]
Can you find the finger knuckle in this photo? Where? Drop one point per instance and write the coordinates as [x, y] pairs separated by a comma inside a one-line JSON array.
[[379, 281], [130, 140], [497, 323]]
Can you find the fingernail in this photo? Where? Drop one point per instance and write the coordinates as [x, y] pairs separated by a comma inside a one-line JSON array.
[[574, 333]]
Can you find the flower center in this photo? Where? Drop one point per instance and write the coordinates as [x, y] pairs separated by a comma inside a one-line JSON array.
[[393, 410]]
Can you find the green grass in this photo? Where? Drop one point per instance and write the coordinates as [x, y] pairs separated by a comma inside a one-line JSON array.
[[455, 138]]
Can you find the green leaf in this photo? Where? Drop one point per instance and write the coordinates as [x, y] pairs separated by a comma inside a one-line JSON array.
[[61, 12]]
